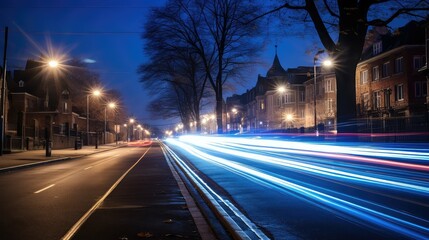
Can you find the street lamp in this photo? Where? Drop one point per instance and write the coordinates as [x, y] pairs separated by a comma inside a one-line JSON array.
[[316, 57], [96, 93], [111, 105], [327, 63], [126, 127], [132, 128]]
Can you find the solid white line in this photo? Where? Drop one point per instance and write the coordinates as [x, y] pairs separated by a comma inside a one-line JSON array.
[[43, 189], [82, 220]]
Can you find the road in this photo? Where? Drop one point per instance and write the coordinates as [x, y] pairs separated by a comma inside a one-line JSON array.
[[299, 190], [47, 201]]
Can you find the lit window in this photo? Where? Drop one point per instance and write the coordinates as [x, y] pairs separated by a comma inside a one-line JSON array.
[[364, 76], [329, 105], [375, 73], [329, 87]]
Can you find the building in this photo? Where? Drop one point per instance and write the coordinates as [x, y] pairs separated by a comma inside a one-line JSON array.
[[390, 91], [279, 101], [40, 109], [43, 107]]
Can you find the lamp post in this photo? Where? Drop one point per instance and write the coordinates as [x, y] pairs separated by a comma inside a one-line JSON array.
[[132, 128], [316, 57], [281, 90], [111, 105], [95, 93]]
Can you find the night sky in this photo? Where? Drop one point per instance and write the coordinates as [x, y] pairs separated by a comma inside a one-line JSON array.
[[107, 35]]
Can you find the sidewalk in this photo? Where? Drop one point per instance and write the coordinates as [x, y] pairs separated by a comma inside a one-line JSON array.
[[31, 157]]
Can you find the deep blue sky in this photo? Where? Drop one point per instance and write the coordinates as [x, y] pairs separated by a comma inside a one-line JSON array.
[[109, 32]]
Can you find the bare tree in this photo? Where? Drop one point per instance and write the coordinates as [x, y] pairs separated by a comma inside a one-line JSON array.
[[342, 26], [174, 73], [216, 31]]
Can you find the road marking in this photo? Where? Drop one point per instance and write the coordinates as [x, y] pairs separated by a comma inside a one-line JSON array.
[[85, 217], [43, 189], [87, 168]]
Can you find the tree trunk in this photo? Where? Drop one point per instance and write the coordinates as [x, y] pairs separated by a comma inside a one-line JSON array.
[[346, 94], [219, 109]]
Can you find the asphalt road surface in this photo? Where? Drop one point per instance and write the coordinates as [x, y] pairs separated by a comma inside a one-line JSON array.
[[45, 202]]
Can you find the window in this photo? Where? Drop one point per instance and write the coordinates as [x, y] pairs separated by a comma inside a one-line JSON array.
[[301, 113], [65, 107], [363, 76], [328, 87], [21, 83], [365, 101], [399, 92], [421, 89], [301, 96], [261, 105], [377, 100], [385, 70], [418, 62], [329, 105], [399, 65], [375, 73], [387, 93], [377, 48]]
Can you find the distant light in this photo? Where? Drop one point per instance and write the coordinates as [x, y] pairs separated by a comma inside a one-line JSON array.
[[112, 105], [96, 92], [53, 63], [87, 60], [281, 89], [328, 63]]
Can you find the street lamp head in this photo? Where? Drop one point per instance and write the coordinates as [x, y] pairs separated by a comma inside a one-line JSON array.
[[281, 89], [132, 120], [112, 105], [328, 63], [53, 63], [96, 92]]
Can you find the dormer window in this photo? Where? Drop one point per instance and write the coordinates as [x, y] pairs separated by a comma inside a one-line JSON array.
[[377, 48], [65, 94], [21, 83]]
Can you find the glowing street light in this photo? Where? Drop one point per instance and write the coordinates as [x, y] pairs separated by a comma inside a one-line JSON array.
[[96, 93], [327, 63], [53, 63], [111, 105]]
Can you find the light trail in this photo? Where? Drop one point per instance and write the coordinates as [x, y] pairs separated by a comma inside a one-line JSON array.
[[356, 208], [373, 179]]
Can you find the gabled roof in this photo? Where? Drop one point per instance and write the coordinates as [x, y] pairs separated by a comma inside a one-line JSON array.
[[413, 33]]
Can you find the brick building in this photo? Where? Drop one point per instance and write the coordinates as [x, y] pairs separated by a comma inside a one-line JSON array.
[[390, 91]]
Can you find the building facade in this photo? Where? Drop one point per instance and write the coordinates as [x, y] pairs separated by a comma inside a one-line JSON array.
[[391, 92], [391, 89]]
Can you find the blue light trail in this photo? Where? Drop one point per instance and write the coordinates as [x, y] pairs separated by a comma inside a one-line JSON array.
[[386, 174]]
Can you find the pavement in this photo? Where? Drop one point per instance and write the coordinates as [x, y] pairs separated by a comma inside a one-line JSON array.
[[173, 217], [20, 159]]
